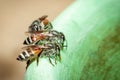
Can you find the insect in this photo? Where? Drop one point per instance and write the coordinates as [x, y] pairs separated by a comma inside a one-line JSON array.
[[53, 52], [54, 37], [59, 37], [33, 52], [30, 53], [50, 36], [33, 37], [42, 41], [41, 24]]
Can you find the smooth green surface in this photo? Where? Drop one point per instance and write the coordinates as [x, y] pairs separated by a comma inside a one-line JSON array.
[[92, 29]]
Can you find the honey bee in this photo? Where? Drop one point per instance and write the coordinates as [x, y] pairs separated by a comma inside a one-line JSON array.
[[30, 53], [53, 52], [50, 36], [33, 52], [41, 24], [34, 37], [59, 37], [54, 37]]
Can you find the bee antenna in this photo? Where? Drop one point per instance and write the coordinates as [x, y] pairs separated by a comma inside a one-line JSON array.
[[57, 46]]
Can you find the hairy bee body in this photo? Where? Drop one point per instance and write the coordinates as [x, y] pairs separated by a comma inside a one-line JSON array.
[[52, 52], [59, 38]]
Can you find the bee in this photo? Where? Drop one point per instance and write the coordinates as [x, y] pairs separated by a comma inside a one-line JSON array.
[[33, 52], [34, 37], [53, 52], [59, 37], [41, 24], [42, 41], [30, 53], [54, 37], [50, 36]]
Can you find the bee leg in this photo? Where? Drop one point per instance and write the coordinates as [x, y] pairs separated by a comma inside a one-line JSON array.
[[38, 57], [37, 61], [58, 53], [59, 57], [51, 25], [55, 59], [50, 60], [28, 63], [65, 44]]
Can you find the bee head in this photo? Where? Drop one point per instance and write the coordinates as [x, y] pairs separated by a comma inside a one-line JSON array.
[[35, 26]]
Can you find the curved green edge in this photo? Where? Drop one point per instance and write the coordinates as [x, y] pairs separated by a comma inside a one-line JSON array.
[[92, 29]]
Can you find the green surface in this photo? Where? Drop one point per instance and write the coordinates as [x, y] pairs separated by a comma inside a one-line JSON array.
[[92, 29]]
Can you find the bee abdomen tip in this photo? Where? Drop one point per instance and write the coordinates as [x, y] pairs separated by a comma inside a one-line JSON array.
[[25, 42], [17, 59]]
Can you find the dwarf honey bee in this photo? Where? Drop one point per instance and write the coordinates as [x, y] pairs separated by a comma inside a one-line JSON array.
[[42, 41], [33, 37], [33, 52], [50, 36], [53, 51], [41, 24], [59, 37], [54, 37], [30, 52]]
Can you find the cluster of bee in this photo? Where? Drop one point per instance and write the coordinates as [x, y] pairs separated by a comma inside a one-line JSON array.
[[42, 41]]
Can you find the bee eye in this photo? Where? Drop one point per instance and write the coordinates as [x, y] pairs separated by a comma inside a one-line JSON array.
[[35, 26]]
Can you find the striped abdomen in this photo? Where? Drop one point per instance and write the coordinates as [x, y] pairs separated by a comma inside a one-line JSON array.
[[33, 38], [25, 55], [28, 40], [29, 53]]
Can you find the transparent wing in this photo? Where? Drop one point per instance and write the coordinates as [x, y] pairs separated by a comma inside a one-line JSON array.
[[33, 33]]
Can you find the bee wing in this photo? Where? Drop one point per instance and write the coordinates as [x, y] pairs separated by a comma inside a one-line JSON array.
[[31, 46], [44, 47], [28, 33], [33, 33], [25, 47]]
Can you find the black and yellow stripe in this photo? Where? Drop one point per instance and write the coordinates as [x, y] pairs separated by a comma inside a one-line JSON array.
[[28, 41], [25, 55]]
